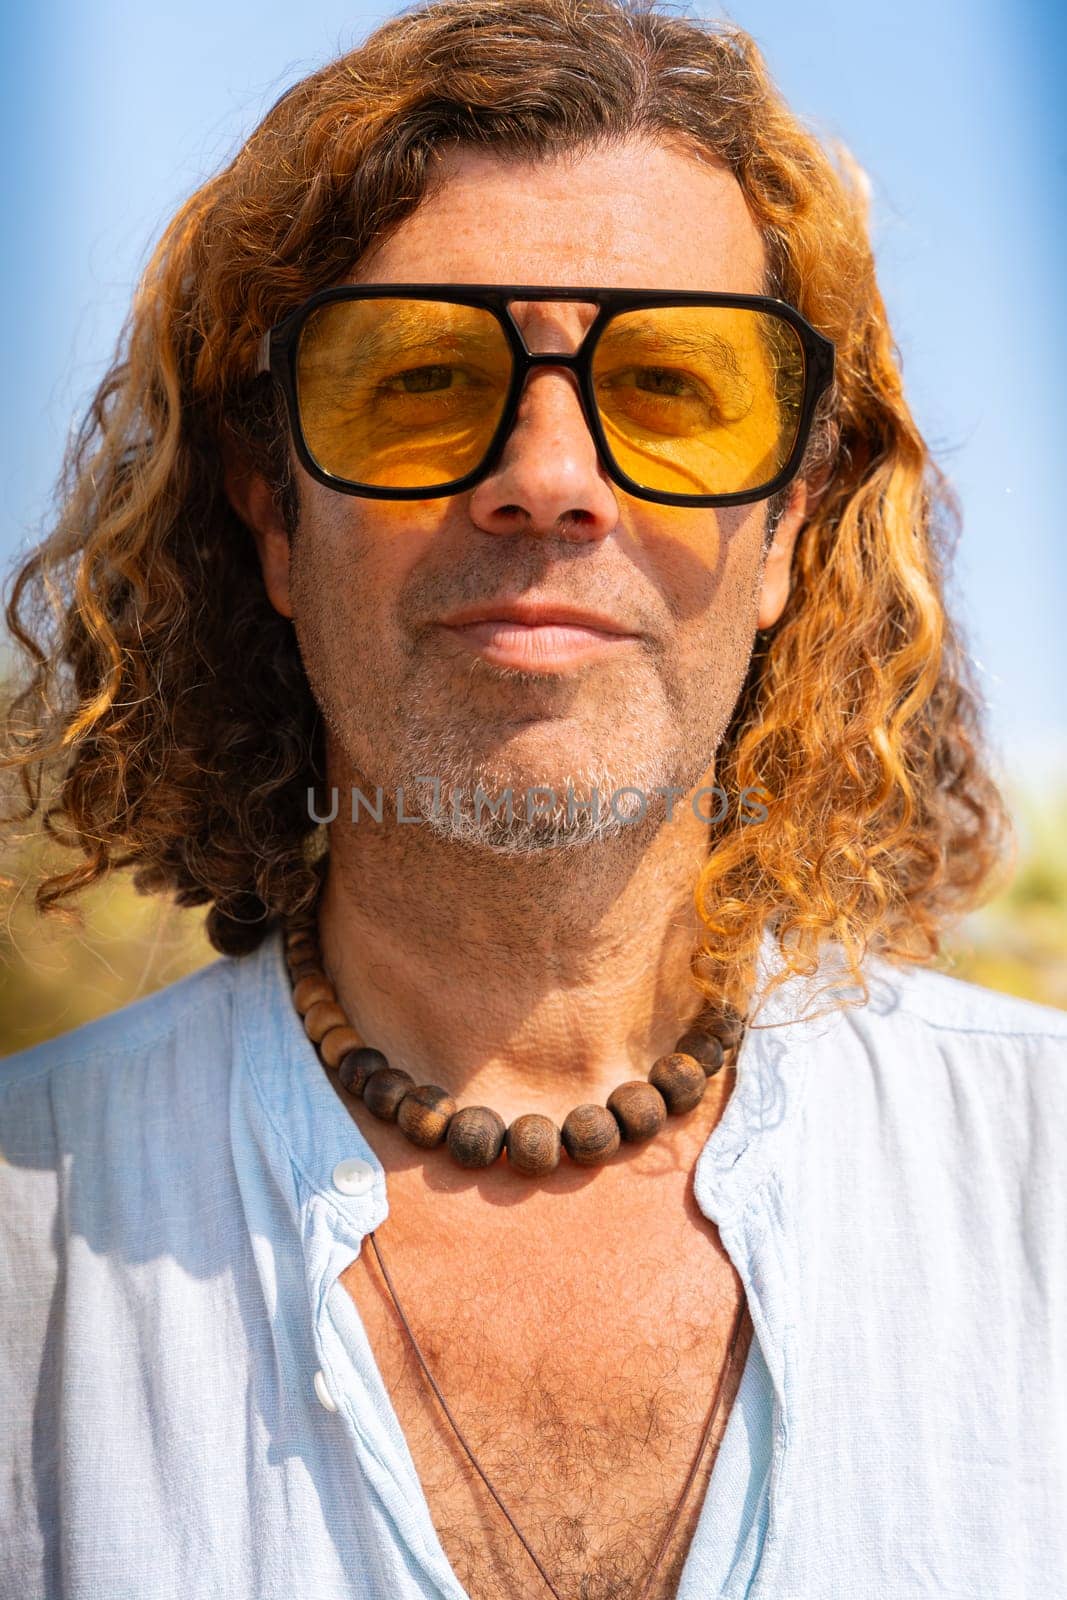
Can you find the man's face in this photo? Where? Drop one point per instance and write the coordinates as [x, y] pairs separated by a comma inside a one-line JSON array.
[[368, 582]]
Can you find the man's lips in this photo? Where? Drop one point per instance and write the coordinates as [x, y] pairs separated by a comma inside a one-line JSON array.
[[535, 613], [537, 638]]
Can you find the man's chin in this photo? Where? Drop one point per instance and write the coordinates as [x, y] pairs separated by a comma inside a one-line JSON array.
[[533, 820]]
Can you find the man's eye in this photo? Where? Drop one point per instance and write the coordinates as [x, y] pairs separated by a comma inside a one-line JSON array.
[[660, 383], [663, 380], [421, 380]]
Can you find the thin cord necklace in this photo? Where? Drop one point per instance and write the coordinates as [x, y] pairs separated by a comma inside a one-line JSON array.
[[705, 1439], [475, 1136]]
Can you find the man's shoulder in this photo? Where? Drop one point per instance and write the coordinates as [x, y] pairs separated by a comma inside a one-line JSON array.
[[139, 1031], [951, 1004]]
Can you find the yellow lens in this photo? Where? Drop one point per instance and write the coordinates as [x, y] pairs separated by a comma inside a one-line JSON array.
[[699, 399], [401, 394]]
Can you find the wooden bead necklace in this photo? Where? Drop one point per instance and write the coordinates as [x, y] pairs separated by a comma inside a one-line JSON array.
[[475, 1136]]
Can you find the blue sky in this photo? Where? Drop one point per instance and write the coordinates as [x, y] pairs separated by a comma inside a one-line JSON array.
[[114, 112]]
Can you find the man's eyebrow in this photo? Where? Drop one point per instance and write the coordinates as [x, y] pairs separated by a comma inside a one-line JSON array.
[[667, 342], [409, 337]]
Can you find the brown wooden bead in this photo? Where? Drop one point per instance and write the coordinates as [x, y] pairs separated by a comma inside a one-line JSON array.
[[306, 969], [727, 1028], [384, 1090], [298, 969], [306, 950], [356, 1066], [310, 990], [303, 957], [475, 1136], [533, 1144], [680, 1080], [337, 1042], [423, 1115], [590, 1135], [300, 933], [638, 1108], [321, 1017], [703, 1047]]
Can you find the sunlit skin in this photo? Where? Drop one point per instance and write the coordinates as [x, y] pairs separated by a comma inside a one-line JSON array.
[[530, 981]]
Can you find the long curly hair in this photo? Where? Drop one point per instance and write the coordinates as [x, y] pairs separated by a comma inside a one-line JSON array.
[[164, 722]]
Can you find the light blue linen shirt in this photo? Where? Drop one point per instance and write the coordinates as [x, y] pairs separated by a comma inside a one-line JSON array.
[[190, 1407]]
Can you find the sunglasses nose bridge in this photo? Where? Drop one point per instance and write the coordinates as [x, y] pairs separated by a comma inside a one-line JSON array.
[[571, 361], [552, 358]]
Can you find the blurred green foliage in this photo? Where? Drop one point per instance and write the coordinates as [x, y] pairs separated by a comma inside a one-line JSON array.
[[55, 975], [1017, 942]]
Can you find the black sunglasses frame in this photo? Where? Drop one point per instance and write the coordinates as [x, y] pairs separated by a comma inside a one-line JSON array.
[[280, 346]]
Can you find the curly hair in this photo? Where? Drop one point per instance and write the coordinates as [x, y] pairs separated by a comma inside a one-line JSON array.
[[164, 720]]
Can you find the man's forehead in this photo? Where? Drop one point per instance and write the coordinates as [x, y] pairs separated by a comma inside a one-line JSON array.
[[639, 214]]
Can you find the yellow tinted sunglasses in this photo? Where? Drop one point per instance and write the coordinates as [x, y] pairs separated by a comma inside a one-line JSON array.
[[409, 391]]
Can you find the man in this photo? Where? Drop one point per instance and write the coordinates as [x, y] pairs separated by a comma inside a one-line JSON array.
[[347, 538]]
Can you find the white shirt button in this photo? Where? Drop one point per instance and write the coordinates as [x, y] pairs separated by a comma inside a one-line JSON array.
[[325, 1397], [353, 1176]]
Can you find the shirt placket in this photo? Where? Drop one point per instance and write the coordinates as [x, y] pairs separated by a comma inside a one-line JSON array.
[[349, 1386]]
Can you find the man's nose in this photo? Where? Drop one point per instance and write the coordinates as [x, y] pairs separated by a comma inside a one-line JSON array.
[[549, 479]]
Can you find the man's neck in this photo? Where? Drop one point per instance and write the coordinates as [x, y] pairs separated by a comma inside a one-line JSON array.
[[526, 983]]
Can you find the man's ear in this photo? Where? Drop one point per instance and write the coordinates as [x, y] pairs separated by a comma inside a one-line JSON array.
[[778, 564], [253, 500]]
